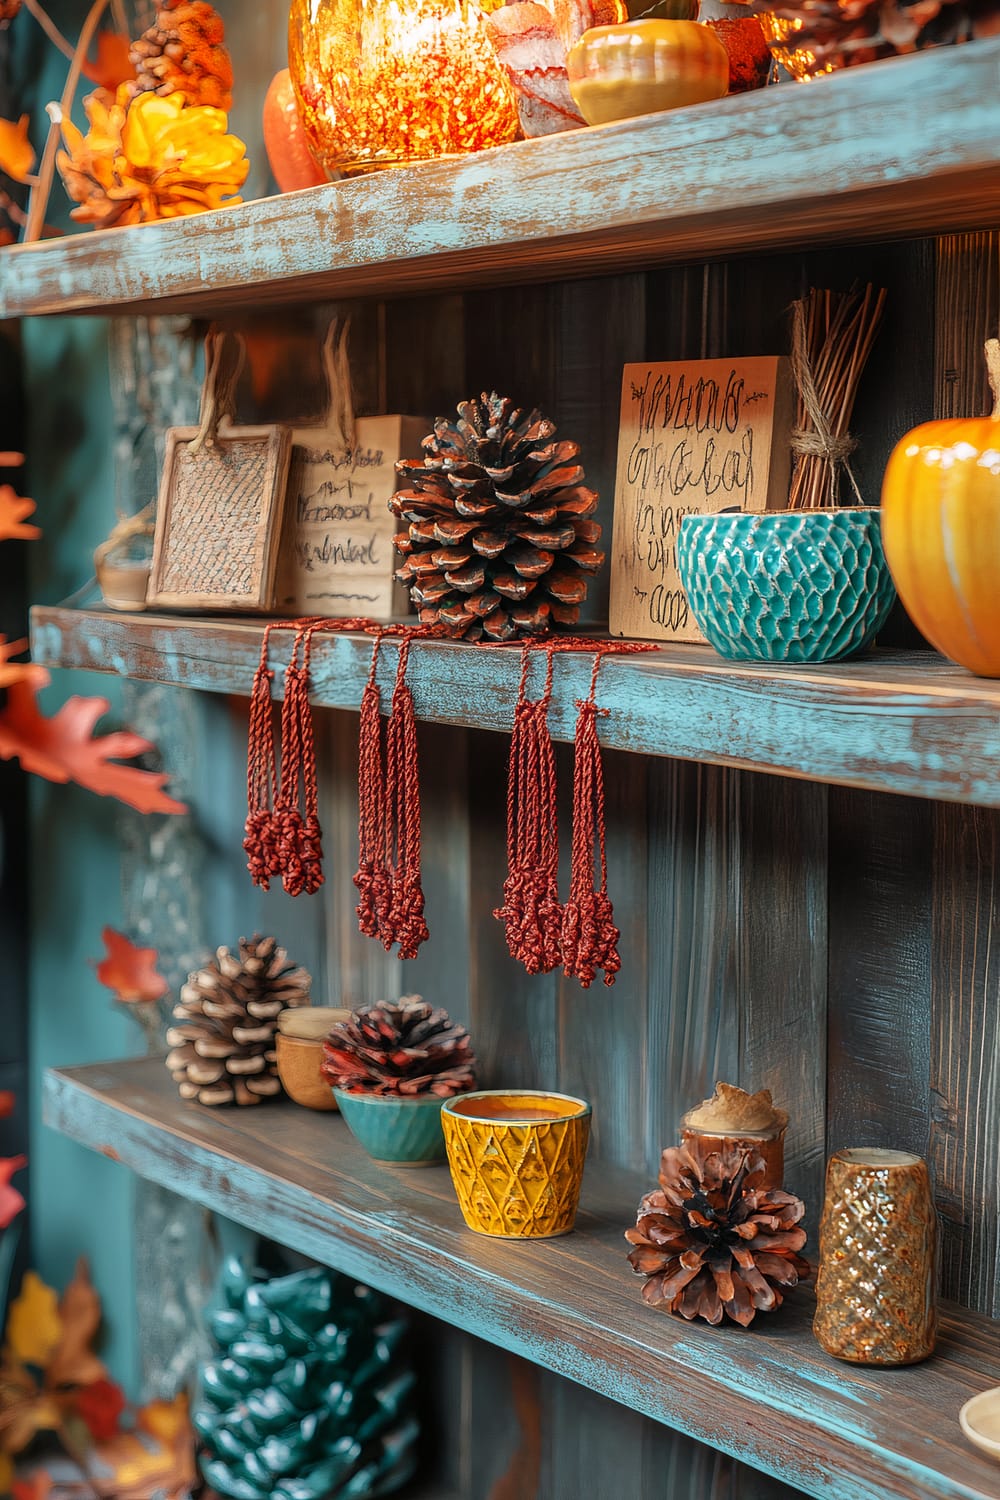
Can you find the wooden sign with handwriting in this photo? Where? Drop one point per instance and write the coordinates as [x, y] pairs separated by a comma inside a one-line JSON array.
[[695, 436], [337, 554]]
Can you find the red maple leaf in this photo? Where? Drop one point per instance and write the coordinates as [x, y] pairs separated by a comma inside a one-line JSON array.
[[18, 671], [6, 1103], [100, 1405], [128, 971], [11, 1201], [38, 1487], [13, 510], [63, 749]]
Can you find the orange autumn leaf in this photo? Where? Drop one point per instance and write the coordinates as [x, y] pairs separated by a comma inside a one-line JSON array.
[[128, 971], [113, 64], [13, 510], [17, 154], [72, 1362], [63, 748], [18, 671], [136, 1469], [34, 1326], [6, 1109]]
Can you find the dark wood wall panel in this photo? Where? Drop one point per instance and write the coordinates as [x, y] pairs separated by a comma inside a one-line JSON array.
[[965, 1052], [781, 901], [878, 1076]]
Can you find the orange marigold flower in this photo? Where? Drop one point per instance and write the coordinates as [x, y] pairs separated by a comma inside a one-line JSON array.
[[150, 158]]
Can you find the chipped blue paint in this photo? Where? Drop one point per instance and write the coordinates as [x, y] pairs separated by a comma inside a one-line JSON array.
[[857, 157], [897, 722], [386, 1227]]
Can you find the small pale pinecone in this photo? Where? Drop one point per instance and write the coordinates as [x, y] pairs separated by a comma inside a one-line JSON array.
[[405, 1047], [183, 52], [500, 530], [8, 10], [713, 1242], [222, 1040]]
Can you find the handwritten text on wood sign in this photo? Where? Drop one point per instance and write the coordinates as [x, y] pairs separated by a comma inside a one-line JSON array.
[[698, 436]]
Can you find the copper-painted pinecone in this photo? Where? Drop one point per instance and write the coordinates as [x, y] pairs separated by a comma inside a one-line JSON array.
[[8, 10], [500, 533], [183, 52], [405, 1047], [712, 1241], [845, 32], [222, 1040]]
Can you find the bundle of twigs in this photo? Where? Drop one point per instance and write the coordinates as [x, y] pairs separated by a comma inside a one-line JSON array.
[[832, 337]]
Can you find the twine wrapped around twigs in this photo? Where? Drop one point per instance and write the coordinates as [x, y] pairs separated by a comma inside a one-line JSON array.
[[832, 337]]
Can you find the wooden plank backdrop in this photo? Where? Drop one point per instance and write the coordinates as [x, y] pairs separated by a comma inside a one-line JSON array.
[[833, 945]]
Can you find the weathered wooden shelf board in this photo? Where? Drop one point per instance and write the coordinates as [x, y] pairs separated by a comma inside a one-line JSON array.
[[897, 149], [769, 1396], [905, 722]]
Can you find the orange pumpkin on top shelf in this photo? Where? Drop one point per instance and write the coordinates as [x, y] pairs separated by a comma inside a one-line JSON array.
[[941, 529]]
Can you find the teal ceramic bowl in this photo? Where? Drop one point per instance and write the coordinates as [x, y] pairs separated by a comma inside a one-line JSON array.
[[401, 1132], [790, 586]]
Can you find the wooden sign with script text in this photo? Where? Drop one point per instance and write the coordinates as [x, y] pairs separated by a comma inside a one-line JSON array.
[[337, 553], [698, 436]]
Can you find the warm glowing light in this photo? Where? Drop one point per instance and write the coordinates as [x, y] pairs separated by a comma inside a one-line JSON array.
[[383, 82]]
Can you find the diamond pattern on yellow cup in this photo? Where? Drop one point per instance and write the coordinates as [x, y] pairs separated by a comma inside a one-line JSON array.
[[516, 1158]]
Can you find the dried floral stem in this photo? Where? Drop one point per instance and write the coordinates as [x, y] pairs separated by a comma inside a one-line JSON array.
[[993, 371], [46, 173], [833, 333], [50, 28]]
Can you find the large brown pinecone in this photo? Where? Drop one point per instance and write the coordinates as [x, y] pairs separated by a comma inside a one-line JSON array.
[[500, 533], [713, 1241], [405, 1047], [183, 52], [223, 1038]]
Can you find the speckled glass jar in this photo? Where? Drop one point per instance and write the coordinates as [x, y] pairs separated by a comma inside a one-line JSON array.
[[876, 1287], [380, 83], [789, 586]]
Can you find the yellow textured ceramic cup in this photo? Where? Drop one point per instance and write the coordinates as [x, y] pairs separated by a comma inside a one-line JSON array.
[[516, 1159]]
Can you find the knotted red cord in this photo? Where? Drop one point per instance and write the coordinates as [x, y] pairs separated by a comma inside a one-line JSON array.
[[531, 913], [541, 933], [299, 833], [372, 879], [406, 925], [589, 935], [260, 835]]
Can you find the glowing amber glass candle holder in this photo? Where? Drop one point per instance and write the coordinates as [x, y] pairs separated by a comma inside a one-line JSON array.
[[382, 83]]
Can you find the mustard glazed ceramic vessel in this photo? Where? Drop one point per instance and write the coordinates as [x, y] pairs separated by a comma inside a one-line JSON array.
[[516, 1158]]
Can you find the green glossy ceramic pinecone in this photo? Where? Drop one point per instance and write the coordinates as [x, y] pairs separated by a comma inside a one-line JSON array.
[[309, 1397]]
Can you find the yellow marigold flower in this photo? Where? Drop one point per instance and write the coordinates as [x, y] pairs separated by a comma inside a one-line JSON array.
[[151, 158]]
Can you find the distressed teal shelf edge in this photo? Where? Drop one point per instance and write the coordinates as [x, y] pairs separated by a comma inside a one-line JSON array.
[[768, 1397], [903, 722], [894, 149]]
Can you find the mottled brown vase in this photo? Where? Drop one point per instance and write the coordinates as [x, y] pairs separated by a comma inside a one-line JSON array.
[[875, 1292]]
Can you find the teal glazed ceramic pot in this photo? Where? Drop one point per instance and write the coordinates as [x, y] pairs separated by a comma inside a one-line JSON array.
[[792, 586], [401, 1132]]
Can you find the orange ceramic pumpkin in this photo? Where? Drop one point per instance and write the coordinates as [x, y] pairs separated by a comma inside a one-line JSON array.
[[941, 530]]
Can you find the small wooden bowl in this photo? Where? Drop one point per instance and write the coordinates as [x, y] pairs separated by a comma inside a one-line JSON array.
[[980, 1419], [299, 1048]]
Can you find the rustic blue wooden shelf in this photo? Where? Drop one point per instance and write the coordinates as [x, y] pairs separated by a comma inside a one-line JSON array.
[[768, 1395], [906, 722], [892, 150]]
